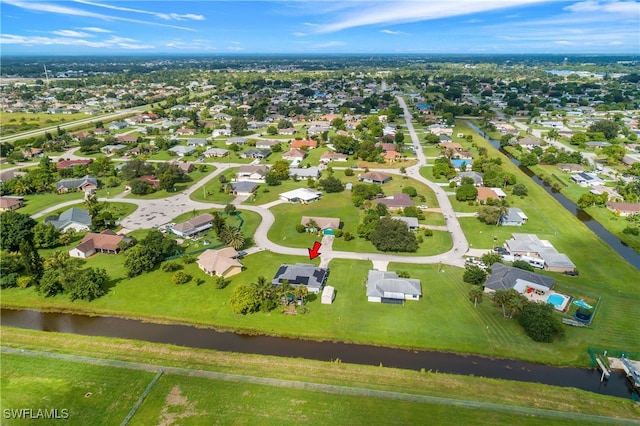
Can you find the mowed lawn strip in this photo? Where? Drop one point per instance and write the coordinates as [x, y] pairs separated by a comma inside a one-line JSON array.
[[92, 394], [469, 388]]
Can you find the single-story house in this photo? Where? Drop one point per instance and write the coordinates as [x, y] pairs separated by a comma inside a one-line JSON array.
[[528, 142], [220, 132], [327, 225], [314, 278], [112, 149], [182, 150], [392, 156], [252, 173], [624, 209], [450, 147], [530, 245], [10, 174], [197, 142], [287, 131], [387, 287], [104, 242], [475, 176], [266, 144], [374, 177], [86, 183], [69, 164], [587, 179], [221, 263], [332, 156], [216, 152], [294, 154], [505, 277], [243, 188], [193, 226], [237, 141], [485, 193], [10, 203], [412, 222], [258, 154], [301, 195], [310, 144], [513, 217], [73, 218], [127, 139], [396, 201], [570, 167], [117, 125], [185, 132], [305, 172]]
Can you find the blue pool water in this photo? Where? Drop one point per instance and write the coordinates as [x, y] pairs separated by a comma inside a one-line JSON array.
[[557, 300]]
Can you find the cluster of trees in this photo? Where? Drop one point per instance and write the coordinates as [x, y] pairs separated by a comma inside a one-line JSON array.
[[168, 175], [22, 265], [331, 184], [263, 296], [385, 233], [442, 167], [361, 192], [590, 199], [227, 234], [148, 253], [277, 173]]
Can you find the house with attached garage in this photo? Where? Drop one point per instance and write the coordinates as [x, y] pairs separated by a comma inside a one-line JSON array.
[[294, 154], [624, 209], [237, 141], [10, 203], [411, 222], [73, 218], [587, 179], [181, 150], [197, 142], [327, 225], [266, 144], [243, 188], [193, 226], [301, 195], [505, 277], [513, 217], [87, 183], [314, 278], [388, 287], [252, 173], [221, 263], [374, 177], [396, 201], [257, 154], [305, 172], [104, 242], [216, 152]]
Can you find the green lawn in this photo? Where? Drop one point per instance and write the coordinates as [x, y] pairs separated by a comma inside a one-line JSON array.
[[14, 122], [204, 400], [119, 210], [35, 202], [196, 175], [213, 191], [92, 394]]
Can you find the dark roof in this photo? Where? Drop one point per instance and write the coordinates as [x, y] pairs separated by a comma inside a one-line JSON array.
[[504, 277], [77, 183], [73, 215], [301, 273]]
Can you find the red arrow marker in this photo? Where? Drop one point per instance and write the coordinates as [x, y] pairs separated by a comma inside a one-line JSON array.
[[313, 253]]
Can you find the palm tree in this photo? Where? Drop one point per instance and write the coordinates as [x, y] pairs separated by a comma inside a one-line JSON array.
[[264, 289], [502, 210], [285, 289], [500, 297], [232, 237], [301, 292], [516, 303], [475, 294]]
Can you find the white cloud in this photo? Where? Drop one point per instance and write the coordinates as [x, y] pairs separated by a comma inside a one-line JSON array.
[[71, 33], [235, 48], [591, 6], [328, 44], [165, 16], [72, 11], [377, 13], [111, 43], [393, 32], [95, 29], [299, 34]]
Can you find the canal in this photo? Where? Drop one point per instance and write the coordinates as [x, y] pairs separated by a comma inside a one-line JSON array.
[[189, 336], [614, 242]]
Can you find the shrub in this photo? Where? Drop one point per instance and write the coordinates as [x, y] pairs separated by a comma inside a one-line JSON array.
[[428, 232], [410, 191], [348, 172], [220, 283], [540, 323], [181, 277], [347, 236], [300, 228], [170, 267], [631, 230], [523, 265], [338, 233], [188, 259]]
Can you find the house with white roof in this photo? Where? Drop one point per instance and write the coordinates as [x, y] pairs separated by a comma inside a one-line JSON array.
[[301, 195]]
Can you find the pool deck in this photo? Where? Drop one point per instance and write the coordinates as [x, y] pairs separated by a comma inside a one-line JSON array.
[[542, 298]]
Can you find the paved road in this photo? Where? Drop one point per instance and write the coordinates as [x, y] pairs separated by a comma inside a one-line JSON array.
[[160, 211]]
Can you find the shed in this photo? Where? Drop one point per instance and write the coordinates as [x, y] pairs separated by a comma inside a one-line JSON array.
[[328, 294]]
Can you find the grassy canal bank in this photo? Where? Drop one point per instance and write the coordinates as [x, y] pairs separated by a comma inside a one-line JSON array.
[[99, 391]]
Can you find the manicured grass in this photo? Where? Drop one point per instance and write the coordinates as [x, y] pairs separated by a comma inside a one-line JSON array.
[[11, 122], [427, 173], [196, 175], [242, 400], [35, 202], [119, 210], [92, 394], [213, 191]]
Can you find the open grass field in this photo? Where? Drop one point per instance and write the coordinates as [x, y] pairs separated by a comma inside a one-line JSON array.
[[207, 399], [92, 394], [14, 122], [35, 202]]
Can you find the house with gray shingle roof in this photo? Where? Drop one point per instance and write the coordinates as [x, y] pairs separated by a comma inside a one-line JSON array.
[[74, 218], [505, 277], [388, 287]]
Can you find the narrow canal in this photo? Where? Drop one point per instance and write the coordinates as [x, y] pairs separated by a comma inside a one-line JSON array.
[[188, 336], [614, 242]]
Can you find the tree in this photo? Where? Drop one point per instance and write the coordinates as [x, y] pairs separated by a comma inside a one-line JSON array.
[[181, 277], [608, 128], [393, 235], [230, 209], [301, 292], [490, 258], [345, 144], [87, 284], [136, 168], [140, 187], [167, 181], [331, 184], [578, 139], [244, 300], [232, 237], [466, 192], [138, 259], [271, 179], [489, 215], [540, 323], [520, 189], [473, 274], [475, 295], [45, 235], [410, 191], [238, 125], [15, 228], [521, 264], [220, 282], [280, 169]]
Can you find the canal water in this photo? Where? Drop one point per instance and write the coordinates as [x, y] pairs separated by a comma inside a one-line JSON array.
[[189, 336], [614, 242]]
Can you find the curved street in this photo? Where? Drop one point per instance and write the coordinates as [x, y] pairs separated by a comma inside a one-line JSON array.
[[160, 211]]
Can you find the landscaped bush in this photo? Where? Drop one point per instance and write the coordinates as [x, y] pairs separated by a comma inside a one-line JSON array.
[[473, 274], [631, 230], [300, 228], [348, 172], [170, 267], [338, 233], [428, 232], [220, 283], [521, 264], [540, 322], [410, 191], [188, 259], [181, 277], [347, 236]]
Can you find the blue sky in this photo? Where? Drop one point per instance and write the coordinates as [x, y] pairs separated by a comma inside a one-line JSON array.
[[223, 27]]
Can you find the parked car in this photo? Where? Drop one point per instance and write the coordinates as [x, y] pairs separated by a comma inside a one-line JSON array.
[[423, 207], [501, 250]]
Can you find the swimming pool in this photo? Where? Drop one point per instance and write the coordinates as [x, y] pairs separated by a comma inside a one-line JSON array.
[[559, 301]]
